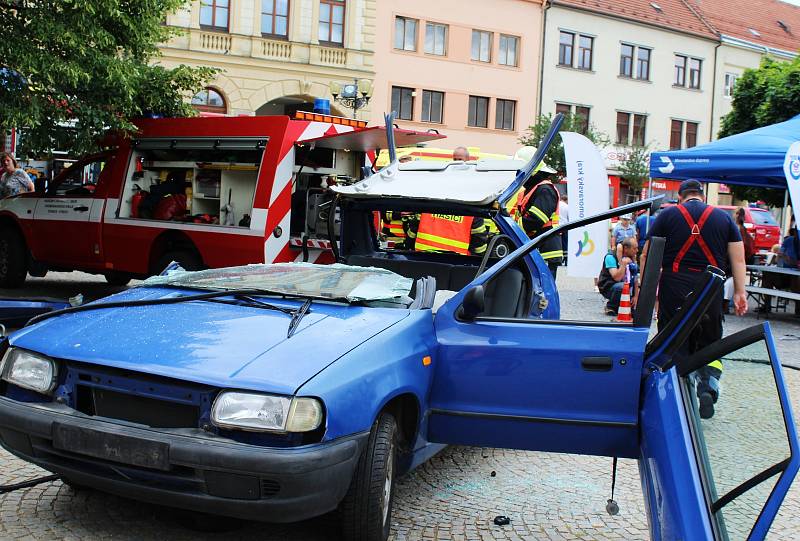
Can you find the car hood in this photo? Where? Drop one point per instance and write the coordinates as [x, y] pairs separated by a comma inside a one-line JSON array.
[[208, 342]]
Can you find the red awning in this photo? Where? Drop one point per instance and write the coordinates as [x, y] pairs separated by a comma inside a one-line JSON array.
[[373, 138]]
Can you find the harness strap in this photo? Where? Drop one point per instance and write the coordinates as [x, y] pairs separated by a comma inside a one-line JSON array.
[[695, 235]]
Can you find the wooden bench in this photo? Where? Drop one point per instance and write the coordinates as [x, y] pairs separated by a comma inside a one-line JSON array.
[[759, 294]]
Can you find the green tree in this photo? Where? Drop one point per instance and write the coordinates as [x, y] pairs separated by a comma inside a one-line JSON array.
[[72, 69], [635, 169], [555, 154], [763, 96]]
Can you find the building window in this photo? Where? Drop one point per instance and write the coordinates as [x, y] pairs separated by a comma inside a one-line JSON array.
[[688, 71], [623, 127], [478, 112], [214, 14], [643, 64], [626, 136], [563, 108], [580, 114], [432, 106], [566, 44], [331, 22], [436, 39], [275, 18], [683, 134], [626, 60], [730, 84], [695, 65], [210, 101], [680, 71], [509, 48], [481, 46], [405, 34], [403, 102], [675, 135], [505, 112], [639, 125], [585, 53]]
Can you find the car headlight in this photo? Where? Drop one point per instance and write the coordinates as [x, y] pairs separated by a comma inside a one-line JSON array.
[[264, 412], [29, 370]]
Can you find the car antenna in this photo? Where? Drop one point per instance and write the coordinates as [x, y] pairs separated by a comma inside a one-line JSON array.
[[612, 508]]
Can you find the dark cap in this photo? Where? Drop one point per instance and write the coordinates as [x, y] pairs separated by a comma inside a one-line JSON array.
[[690, 185]]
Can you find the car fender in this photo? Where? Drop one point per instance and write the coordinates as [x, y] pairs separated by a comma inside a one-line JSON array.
[[358, 386]]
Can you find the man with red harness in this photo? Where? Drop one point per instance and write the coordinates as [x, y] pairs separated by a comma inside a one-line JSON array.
[[698, 235]]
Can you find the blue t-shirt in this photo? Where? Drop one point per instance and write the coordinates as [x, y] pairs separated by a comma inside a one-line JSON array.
[[789, 249], [718, 231], [621, 232], [642, 228]]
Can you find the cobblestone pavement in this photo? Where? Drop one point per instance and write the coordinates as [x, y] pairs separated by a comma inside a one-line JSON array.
[[454, 496]]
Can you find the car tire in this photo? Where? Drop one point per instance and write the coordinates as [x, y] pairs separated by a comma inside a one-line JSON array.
[[13, 258], [115, 278], [190, 261], [366, 510]]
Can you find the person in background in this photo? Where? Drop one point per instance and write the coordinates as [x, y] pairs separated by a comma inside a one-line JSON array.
[[623, 230], [642, 226], [747, 238], [460, 154], [537, 212], [787, 258], [698, 235], [563, 218], [13, 180], [616, 271]]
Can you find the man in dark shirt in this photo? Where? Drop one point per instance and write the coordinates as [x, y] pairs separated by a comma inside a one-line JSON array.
[[698, 235]]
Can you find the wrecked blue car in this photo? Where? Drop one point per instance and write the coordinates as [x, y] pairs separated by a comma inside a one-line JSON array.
[[282, 392]]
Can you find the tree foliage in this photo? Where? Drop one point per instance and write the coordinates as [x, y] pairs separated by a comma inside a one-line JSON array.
[[72, 69], [555, 155], [635, 169], [761, 97]]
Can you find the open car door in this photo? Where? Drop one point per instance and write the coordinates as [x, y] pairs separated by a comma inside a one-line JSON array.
[[505, 379], [725, 477]]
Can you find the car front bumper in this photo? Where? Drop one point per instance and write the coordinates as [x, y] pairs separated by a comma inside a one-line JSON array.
[[183, 468]]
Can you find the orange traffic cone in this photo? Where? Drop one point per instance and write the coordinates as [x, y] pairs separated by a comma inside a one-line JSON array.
[[624, 311]]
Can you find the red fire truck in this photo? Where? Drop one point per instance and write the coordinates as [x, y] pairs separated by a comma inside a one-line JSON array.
[[206, 192]]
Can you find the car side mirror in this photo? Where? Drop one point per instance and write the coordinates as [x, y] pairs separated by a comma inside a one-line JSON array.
[[474, 303]]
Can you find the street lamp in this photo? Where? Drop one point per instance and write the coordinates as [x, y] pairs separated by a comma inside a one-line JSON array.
[[348, 94]]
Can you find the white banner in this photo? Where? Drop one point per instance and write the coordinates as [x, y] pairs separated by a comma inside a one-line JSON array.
[[791, 168], [587, 190]]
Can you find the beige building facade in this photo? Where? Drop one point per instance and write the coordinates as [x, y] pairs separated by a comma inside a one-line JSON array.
[[466, 68], [634, 74], [275, 56]]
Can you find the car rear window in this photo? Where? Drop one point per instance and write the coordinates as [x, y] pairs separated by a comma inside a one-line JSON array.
[[762, 217]]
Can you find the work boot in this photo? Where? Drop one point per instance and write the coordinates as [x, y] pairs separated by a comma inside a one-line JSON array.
[[706, 405]]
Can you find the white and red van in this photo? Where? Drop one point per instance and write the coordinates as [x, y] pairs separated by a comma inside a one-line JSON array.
[[206, 192]]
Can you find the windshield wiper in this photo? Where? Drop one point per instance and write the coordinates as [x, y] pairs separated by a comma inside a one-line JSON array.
[[210, 296], [297, 316]]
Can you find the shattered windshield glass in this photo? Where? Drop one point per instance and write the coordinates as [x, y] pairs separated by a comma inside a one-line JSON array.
[[337, 282]]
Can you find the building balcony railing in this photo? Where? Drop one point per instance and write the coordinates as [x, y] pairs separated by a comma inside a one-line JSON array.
[[258, 47]]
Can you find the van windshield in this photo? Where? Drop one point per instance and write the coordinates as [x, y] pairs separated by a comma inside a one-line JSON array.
[[333, 282]]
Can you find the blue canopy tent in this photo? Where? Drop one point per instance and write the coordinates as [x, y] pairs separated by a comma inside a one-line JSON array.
[[753, 158]]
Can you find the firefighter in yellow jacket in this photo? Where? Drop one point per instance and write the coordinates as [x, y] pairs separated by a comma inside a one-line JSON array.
[[537, 212]]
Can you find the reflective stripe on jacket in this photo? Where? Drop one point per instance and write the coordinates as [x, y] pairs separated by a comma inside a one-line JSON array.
[[523, 208], [439, 232]]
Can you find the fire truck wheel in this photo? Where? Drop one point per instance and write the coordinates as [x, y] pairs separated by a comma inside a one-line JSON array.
[[190, 261], [13, 259], [366, 510], [117, 278]]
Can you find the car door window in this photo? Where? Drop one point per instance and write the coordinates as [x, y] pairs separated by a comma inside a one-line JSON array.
[[744, 449], [81, 178]]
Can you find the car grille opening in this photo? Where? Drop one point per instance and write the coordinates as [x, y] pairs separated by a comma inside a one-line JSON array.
[[136, 409]]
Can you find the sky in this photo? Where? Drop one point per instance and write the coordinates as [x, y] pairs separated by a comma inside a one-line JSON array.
[[795, 2]]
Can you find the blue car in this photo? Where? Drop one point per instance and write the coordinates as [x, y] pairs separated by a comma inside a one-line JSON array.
[[281, 392]]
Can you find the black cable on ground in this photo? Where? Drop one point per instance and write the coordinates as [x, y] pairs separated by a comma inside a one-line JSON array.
[[28, 484]]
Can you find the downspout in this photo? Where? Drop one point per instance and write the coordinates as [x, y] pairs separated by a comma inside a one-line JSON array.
[[714, 92], [545, 7]]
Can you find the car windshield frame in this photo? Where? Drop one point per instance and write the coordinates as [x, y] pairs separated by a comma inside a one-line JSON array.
[[335, 282], [768, 218]]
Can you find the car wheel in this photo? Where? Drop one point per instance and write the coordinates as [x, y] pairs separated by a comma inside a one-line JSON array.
[[13, 259], [117, 278], [190, 261], [366, 509]]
